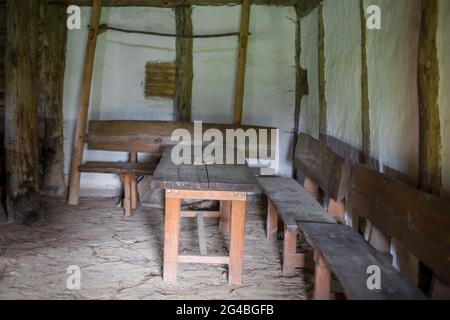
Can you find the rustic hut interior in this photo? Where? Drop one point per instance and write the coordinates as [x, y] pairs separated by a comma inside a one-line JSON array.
[[336, 185]]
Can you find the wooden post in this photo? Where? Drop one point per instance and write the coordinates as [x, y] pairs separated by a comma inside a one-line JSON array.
[[184, 63], [289, 252], [272, 221], [133, 183], [242, 60], [237, 242], [21, 144], [126, 203], [322, 278], [171, 234], [78, 146]]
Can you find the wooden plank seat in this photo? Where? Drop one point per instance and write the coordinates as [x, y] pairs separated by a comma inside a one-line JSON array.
[[137, 169], [290, 202], [344, 252]]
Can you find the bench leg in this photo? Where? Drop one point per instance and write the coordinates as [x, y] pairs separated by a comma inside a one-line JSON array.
[[126, 203], [289, 253], [272, 221], [134, 192], [236, 242], [337, 210], [171, 235], [224, 221], [322, 278]]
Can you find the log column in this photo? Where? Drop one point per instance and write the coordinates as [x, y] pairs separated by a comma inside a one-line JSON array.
[[21, 144]]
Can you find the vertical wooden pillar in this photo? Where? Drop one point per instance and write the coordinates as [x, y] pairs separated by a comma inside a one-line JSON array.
[[133, 183], [21, 144], [78, 146], [184, 70], [323, 117], [428, 85], [322, 278], [51, 82], [225, 216], [289, 252], [242, 61]]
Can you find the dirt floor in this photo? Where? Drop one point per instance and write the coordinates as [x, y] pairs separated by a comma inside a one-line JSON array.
[[121, 258]]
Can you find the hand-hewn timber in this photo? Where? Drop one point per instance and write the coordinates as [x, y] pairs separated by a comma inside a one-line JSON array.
[[323, 109], [365, 112], [184, 64], [428, 86], [51, 83], [176, 3], [21, 132], [242, 62], [78, 146], [419, 221]]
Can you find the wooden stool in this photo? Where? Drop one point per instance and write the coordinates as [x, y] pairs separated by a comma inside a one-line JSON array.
[[235, 200]]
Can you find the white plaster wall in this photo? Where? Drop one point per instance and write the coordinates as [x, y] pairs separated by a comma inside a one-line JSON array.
[[443, 45], [343, 69], [309, 60], [392, 66], [270, 76], [119, 73]]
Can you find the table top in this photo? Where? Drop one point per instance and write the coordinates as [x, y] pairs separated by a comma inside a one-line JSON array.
[[213, 177]]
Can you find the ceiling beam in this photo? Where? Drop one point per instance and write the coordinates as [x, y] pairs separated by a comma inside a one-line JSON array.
[[172, 3]]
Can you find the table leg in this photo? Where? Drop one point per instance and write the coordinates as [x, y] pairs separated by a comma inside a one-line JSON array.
[[236, 242], [171, 235], [225, 212]]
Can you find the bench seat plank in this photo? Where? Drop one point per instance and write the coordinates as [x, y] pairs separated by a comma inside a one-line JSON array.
[[135, 168], [293, 202], [348, 255]]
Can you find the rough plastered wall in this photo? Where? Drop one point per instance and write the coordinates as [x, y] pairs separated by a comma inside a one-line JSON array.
[[443, 45], [118, 81], [270, 76], [343, 70], [392, 73], [309, 60]]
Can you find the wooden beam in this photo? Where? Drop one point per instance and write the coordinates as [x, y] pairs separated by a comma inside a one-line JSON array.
[[184, 64], [77, 152], [175, 3], [428, 81], [51, 83], [322, 82], [365, 112], [242, 61], [21, 144]]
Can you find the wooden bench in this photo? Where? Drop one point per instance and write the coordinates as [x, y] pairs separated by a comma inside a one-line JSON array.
[[291, 202], [337, 248], [124, 136], [416, 220]]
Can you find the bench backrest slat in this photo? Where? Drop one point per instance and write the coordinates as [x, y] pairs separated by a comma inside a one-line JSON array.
[[319, 163], [419, 221], [145, 136]]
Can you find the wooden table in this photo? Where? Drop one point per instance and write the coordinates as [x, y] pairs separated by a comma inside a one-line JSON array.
[[227, 183]]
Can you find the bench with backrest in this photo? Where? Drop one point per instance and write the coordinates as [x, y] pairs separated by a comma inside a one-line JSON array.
[[337, 248], [416, 220], [322, 169]]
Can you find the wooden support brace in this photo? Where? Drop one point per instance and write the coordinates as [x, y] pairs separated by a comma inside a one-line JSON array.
[[225, 215], [78, 146], [336, 209], [272, 221], [311, 187]]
